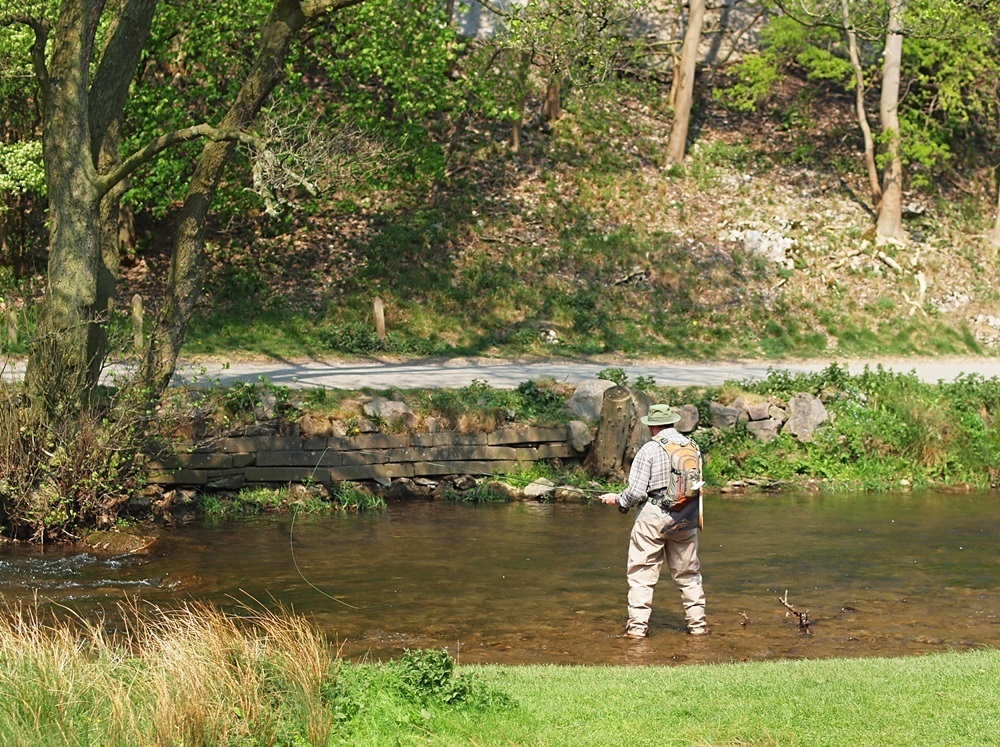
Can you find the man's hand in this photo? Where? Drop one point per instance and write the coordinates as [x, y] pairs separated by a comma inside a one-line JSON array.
[[609, 498]]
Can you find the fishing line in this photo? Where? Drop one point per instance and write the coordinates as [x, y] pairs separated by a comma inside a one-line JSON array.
[[314, 587]]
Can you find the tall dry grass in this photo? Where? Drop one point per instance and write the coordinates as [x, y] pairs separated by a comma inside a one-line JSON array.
[[185, 676]]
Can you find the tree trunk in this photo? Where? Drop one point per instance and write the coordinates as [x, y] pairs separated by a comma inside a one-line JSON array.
[[285, 20], [640, 433], [890, 214], [859, 105], [684, 87], [80, 128], [59, 377], [522, 96], [127, 36], [617, 413], [552, 105], [995, 236]]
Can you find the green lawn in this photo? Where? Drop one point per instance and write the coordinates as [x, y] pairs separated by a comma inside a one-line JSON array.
[[193, 676], [950, 699]]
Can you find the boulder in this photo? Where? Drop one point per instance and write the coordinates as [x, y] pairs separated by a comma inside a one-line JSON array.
[[502, 488], [387, 410], [759, 411], [689, 418], [764, 430], [315, 426], [404, 487], [587, 399], [113, 544], [741, 410], [777, 412], [569, 494], [579, 435], [433, 425], [464, 482], [539, 488], [722, 417], [805, 413]]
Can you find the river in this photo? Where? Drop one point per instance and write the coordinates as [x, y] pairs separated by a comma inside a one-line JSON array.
[[880, 575]]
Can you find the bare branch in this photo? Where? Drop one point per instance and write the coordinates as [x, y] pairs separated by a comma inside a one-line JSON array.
[[315, 8], [804, 621], [493, 8], [41, 27], [710, 78], [300, 152], [819, 20], [163, 142]]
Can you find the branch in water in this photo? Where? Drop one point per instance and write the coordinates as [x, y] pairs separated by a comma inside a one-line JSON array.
[[804, 621]]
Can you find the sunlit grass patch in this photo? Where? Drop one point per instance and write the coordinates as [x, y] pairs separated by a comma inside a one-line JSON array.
[[930, 701], [189, 675], [354, 497]]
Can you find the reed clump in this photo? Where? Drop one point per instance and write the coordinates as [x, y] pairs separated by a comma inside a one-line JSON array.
[[185, 676]]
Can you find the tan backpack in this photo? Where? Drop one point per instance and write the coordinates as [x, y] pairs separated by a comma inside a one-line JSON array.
[[685, 473]]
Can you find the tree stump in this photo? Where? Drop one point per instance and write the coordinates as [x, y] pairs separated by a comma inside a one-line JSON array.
[[617, 415], [639, 433]]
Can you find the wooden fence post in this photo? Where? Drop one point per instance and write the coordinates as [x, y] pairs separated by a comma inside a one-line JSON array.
[[137, 322], [379, 319]]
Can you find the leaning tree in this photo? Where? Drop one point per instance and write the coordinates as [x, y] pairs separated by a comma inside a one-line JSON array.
[[84, 55], [62, 463]]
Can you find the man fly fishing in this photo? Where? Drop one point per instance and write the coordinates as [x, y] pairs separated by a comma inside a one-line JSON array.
[[665, 484]]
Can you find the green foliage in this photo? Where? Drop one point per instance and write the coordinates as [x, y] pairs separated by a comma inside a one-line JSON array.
[[21, 169], [579, 39], [620, 377], [530, 401], [430, 676], [387, 67], [252, 501], [360, 338], [947, 61], [616, 375], [482, 492], [885, 428], [756, 75], [420, 692], [195, 61], [353, 497], [644, 383]]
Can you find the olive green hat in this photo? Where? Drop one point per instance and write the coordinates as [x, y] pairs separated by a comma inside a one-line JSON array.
[[660, 415]]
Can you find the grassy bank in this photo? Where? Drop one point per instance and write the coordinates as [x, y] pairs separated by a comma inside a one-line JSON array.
[[951, 699], [885, 431], [196, 677], [585, 242]]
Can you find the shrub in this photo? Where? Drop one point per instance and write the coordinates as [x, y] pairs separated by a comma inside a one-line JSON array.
[[72, 470]]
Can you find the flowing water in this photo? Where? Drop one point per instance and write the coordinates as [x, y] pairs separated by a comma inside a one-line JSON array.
[[880, 575]]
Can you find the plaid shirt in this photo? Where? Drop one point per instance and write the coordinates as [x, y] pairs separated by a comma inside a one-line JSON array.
[[650, 468]]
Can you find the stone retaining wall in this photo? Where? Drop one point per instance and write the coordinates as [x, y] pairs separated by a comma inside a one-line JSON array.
[[231, 463]]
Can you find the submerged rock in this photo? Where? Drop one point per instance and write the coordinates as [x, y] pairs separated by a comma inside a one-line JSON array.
[[120, 543]]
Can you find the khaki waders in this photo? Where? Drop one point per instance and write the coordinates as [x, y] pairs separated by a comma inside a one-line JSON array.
[[654, 539]]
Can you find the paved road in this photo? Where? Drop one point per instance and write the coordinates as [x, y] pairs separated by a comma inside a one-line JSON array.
[[459, 372]]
